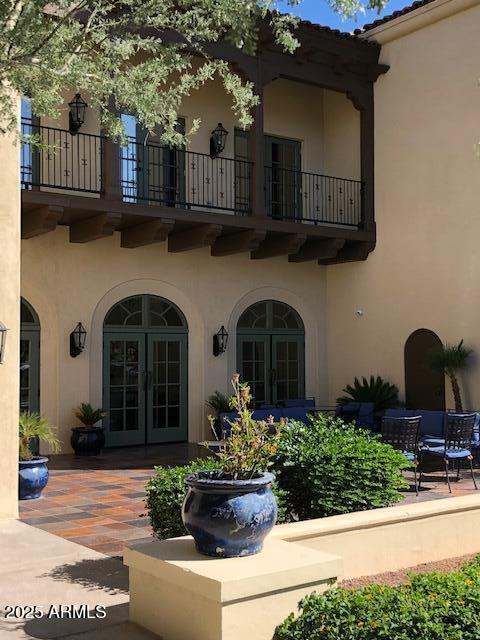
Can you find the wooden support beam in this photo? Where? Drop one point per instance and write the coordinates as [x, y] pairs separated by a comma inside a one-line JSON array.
[[239, 242], [317, 250], [94, 228], [354, 252], [274, 246], [146, 233], [41, 220], [202, 235]]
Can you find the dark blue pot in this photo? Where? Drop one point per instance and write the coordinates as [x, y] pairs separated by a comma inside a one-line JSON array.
[[32, 478], [87, 441], [228, 518]]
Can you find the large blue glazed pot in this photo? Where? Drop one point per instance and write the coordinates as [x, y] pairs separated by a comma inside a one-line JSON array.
[[228, 518], [32, 478]]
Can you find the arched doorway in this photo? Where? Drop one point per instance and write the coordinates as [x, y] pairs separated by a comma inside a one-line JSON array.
[[145, 372], [29, 358], [271, 352], [424, 387]]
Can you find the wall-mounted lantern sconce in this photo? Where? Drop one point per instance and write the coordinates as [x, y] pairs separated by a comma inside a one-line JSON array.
[[77, 340], [76, 116], [3, 340], [218, 138], [220, 341]]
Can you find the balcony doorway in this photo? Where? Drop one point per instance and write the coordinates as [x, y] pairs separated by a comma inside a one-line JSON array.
[[271, 352], [283, 162]]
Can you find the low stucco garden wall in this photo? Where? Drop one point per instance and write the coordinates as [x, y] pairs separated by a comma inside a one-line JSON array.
[[177, 593]]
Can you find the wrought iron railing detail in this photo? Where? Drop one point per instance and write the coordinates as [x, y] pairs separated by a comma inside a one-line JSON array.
[[309, 197], [175, 177], [59, 160]]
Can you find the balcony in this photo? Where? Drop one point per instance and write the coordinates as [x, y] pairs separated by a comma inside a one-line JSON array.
[[68, 179]]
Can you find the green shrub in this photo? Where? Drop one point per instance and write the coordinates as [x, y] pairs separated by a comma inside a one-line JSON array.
[[431, 607], [330, 468], [165, 494]]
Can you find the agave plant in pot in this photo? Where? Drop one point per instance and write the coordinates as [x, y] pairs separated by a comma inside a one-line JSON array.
[[33, 471], [88, 439], [229, 511]]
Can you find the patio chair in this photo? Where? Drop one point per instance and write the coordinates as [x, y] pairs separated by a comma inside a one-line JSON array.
[[402, 434], [457, 445]]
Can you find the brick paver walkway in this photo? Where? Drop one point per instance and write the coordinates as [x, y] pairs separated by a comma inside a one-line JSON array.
[[99, 501]]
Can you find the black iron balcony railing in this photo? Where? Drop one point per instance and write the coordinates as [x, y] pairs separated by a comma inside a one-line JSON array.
[[314, 198], [61, 161], [175, 177], [152, 173]]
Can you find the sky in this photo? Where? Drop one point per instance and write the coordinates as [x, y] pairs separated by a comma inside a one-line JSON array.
[[318, 11]]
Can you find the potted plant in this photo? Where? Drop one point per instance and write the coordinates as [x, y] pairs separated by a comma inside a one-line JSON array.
[[220, 403], [451, 359], [33, 471], [229, 511], [89, 439]]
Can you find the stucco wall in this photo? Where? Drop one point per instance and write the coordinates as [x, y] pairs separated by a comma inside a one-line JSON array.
[[67, 283], [424, 270], [9, 316]]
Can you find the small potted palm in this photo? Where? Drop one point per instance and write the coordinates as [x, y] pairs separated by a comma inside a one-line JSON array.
[[88, 439], [229, 511], [33, 471]]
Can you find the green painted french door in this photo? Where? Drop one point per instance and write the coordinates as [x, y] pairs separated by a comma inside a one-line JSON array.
[[288, 368], [29, 371], [145, 388], [273, 365], [167, 388], [253, 358]]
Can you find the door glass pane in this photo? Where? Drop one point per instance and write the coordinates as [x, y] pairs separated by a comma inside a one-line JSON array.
[[253, 368], [24, 375], [123, 394], [287, 369], [166, 384]]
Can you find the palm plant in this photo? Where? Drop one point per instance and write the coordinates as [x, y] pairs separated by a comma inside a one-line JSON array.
[[382, 393], [219, 402], [450, 359], [89, 416], [33, 425]]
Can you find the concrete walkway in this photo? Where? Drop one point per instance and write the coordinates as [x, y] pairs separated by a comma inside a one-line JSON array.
[[44, 570]]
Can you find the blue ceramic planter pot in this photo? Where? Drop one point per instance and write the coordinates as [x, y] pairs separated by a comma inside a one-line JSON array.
[[32, 478], [87, 441], [228, 518]]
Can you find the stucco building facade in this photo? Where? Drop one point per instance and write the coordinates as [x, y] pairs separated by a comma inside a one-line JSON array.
[[341, 224]]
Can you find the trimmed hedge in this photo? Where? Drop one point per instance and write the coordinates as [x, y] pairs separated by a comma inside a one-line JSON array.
[[323, 469], [330, 468], [432, 606]]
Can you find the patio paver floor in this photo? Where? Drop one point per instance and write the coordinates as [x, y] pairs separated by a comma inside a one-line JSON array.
[[98, 502]]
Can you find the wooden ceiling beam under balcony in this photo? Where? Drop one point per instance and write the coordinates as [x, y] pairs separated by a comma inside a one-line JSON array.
[[240, 242], [353, 252], [201, 235], [41, 220], [146, 233], [94, 228], [274, 246], [317, 250]]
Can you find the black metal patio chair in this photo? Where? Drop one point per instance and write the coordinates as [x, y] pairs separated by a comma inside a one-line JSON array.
[[457, 446], [402, 434]]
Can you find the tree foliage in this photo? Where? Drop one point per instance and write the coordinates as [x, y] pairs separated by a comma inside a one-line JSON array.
[[137, 56]]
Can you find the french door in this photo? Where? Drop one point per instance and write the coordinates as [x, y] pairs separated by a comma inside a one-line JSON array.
[[283, 177], [29, 371], [145, 388], [273, 365]]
